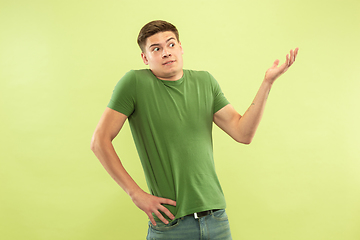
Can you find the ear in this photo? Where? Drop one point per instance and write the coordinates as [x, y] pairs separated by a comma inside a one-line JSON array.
[[182, 50], [144, 58]]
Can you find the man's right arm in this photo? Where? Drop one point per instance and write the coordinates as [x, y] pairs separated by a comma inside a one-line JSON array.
[[107, 129]]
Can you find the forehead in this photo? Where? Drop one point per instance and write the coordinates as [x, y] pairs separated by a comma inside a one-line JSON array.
[[160, 38]]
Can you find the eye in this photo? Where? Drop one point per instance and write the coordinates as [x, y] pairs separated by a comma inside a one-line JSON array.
[[156, 49], [172, 44]]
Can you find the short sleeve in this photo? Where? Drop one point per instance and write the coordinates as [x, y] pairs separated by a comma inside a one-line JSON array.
[[220, 100], [123, 97]]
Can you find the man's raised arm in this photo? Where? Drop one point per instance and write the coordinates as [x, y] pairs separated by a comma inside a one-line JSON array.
[[243, 128], [107, 129]]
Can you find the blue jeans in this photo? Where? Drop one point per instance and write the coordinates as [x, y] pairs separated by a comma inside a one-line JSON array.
[[214, 226]]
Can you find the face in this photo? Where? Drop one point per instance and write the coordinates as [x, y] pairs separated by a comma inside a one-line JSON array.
[[163, 53]]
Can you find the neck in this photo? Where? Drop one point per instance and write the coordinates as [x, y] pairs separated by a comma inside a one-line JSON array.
[[174, 77]]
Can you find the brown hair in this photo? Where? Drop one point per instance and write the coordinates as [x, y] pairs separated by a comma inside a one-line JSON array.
[[153, 28]]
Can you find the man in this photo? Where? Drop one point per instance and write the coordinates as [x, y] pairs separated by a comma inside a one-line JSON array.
[[170, 112]]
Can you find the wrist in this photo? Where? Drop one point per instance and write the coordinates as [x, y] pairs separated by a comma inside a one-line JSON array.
[[135, 192], [267, 83]]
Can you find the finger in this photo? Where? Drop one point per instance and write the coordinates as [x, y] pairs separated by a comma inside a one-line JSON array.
[[287, 59], [151, 218], [161, 217], [294, 55], [167, 212], [167, 201], [296, 52], [291, 57]]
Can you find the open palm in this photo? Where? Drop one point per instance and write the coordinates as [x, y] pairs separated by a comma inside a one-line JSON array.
[[276, 71]]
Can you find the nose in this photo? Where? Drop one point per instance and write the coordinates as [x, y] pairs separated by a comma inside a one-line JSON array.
[[166, 53]]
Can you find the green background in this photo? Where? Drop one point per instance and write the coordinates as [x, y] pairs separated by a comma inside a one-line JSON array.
[[60, 60]]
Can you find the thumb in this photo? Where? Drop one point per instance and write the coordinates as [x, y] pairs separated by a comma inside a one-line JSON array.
[[276, 63]]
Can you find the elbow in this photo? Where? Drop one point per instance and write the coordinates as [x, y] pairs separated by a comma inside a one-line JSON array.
[[99, 142], [244, 140], [93, 144]]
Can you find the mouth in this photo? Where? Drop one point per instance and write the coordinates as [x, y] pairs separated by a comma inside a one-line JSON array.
[[169, 62]]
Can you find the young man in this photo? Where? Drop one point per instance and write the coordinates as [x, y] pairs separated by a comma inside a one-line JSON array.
[[170, 112]]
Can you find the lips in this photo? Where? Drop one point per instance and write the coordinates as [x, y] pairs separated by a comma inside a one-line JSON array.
[[169, 62]]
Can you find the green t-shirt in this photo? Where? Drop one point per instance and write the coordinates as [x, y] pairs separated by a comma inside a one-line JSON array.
[[171, 123]]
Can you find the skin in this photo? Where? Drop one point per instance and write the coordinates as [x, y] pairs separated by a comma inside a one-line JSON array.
[[242, 128], [163, 53]]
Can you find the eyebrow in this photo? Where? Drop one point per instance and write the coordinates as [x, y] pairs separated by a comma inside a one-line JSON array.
[[158, 44]]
